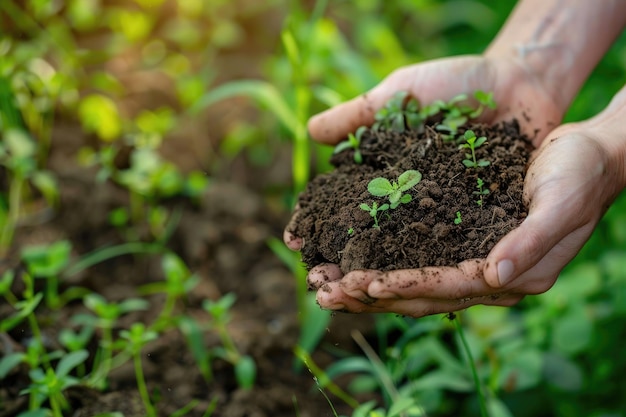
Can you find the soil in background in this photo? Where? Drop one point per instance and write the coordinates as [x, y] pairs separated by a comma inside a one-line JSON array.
[[422, 232]]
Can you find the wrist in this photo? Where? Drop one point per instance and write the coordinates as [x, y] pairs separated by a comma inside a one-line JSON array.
[[558, 43], [610, 129]]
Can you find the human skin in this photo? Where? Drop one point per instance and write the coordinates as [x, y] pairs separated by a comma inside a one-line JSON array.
[[534, 67]]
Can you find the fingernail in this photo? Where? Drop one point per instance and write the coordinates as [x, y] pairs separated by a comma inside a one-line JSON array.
[[505, 271]]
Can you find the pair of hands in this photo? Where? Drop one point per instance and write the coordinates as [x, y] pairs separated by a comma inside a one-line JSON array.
[[575, 173]]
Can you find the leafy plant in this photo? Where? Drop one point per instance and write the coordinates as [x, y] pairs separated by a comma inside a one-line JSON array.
[[398, 114], [245, 367], [136, 338], [472, 143], [458, 219], [393, 190], [353, 142], [481, 192], [374, 211]]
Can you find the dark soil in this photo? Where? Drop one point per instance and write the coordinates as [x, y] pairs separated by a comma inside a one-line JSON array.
[[422, 232]]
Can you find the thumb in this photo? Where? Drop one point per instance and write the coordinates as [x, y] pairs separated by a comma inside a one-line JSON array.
[[333, 125]]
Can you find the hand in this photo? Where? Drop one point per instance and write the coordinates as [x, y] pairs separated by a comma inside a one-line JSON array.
[[518, 94], [572, 180]]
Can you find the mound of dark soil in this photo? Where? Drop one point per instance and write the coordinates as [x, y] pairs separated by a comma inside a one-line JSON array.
[[422, 232]]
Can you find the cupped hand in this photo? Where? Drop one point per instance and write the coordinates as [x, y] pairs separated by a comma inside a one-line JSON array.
[[573, 178], [518, 94]]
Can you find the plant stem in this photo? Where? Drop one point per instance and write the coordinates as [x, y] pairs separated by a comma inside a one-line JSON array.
[[15, 193], [470, 359], [103, 254], [141, 385]]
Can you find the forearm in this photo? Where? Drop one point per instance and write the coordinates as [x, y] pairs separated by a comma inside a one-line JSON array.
[[609, 127], [559, 42]]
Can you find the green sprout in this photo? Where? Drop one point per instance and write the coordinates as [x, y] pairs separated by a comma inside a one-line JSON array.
[[481, 191], [472, 143], [351, 230], [456, 114], [353, 142], [382, 187], [485, 100], [458, 219], [374, 211], [399, 114]]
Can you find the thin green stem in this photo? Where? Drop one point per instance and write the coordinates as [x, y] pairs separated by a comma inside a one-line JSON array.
[[141, 385], [103, 254], [470, 359], [15, 194]]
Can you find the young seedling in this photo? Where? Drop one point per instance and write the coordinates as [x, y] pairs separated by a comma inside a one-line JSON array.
[[481, 191], [353, 142], [485, 100], [456, 113], [351, 230], [382, 187], [458, 219], [374, 211], [398, 114], [472, 143]]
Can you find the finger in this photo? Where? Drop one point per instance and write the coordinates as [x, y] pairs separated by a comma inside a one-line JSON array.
[[426, 82], [331, 296], [458, 282], [333, 125], [323, 274], [556, 211], [292, 241]]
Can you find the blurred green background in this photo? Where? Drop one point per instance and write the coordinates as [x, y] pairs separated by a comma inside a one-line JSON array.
[[163, 97]]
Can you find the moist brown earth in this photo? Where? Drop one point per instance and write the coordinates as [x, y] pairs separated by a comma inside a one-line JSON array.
[[422, 232]]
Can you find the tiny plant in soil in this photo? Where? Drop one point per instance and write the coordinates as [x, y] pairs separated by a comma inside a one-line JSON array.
[[399, 114], [456, 113], [458, 219], [351, 230], [374, 211], [382, 187], [481, 191], [353, 142], [472, 143]]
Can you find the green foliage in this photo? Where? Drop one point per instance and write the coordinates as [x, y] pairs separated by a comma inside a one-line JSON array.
[[480, 192], [393, 190], [245, 367], [398, 114], [353, 142], [374, 210], [457, 112], [458, 220], [472, 143], [382, 187]]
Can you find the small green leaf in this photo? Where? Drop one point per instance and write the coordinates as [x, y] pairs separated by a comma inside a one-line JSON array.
[[10, 361], [407, 198], [483, 163], [468, 163], [365, 207], [380, 187], [469, 135], [480, 141], [409, 179], [245, 372], [342, 146], [383, 207]]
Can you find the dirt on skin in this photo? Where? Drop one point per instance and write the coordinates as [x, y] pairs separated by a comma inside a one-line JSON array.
[[422, 232]]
